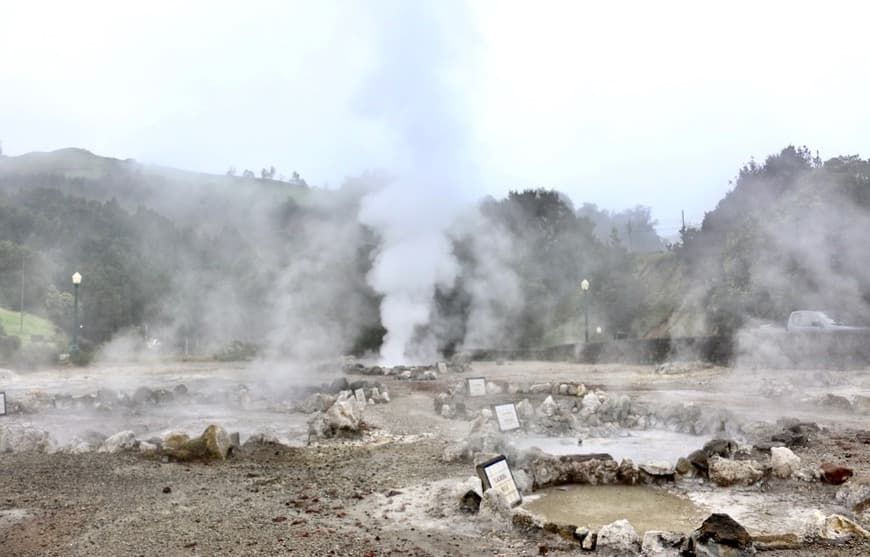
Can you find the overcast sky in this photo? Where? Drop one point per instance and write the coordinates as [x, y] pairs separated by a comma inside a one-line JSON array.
[[651, 103]]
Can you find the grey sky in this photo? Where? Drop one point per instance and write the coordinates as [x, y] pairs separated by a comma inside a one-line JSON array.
[[619, 104]]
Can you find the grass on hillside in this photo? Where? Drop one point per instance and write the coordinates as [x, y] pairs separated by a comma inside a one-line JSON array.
[[33, 325]]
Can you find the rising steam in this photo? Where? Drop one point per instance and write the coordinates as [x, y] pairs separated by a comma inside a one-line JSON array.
[[410, 93]]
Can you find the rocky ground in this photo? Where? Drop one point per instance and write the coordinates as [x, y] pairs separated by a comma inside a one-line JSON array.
[[390, 492]]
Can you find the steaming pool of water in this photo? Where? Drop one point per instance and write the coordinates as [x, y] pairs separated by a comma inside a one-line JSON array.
[[643, 446], [593, 506]]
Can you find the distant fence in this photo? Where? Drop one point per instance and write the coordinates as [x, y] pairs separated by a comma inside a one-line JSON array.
[[775, 349]]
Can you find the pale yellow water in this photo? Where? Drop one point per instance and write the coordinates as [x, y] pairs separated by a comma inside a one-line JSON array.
[[593, 506]]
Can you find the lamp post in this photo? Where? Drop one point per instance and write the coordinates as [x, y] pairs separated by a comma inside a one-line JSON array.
[[584, 286], [76, 280]]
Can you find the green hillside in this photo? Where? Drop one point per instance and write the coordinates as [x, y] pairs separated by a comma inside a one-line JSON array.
[[33, 325]]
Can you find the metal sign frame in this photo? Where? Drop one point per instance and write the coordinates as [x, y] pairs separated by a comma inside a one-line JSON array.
[[474, 391], [496, 474], [511, 409]]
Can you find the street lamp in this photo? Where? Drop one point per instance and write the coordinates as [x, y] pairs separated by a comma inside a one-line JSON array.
[[584, 286], [76, 280]]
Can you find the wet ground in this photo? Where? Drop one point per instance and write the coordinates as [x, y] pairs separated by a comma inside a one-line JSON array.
[[385, 494]]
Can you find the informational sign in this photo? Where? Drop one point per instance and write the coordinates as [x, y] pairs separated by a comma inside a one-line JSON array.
[[2, 404], [506, 414], [476, 386], [360, 396], [496, 474]]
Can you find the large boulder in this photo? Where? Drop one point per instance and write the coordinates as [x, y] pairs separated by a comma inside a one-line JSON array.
[[618, 539], [726, 472], [783, 462], [721, 536]]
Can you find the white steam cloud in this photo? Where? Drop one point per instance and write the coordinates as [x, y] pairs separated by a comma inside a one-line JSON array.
[[410, 92]]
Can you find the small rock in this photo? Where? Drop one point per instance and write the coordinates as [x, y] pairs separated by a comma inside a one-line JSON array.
[[833, 474], [548, 408], [783, 462], [167, 489], [522, 481], [657, 543], [721, 535], [855, 494], [588, 543], [720, 447], [683, 467], [121, 441], [618, 539], [470, 502], [525, 408]]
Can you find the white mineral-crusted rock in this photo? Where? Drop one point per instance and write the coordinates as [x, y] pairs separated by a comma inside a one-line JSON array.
[[25, 439], [833, 527], [618, 539], [783, 462], [727, 472], [496, 508], [548, 408], [590, 404], [121, 441], [522, 481]]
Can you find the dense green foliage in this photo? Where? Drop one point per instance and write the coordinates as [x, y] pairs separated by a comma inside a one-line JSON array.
[[792, 234]]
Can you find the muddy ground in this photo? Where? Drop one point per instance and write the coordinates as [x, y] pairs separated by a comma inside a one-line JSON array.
[[382, 495]]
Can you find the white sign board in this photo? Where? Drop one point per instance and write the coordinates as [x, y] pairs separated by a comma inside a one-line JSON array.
[[506, 414], [476, 386], [2, 404], [496, 474], [360, 396]]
